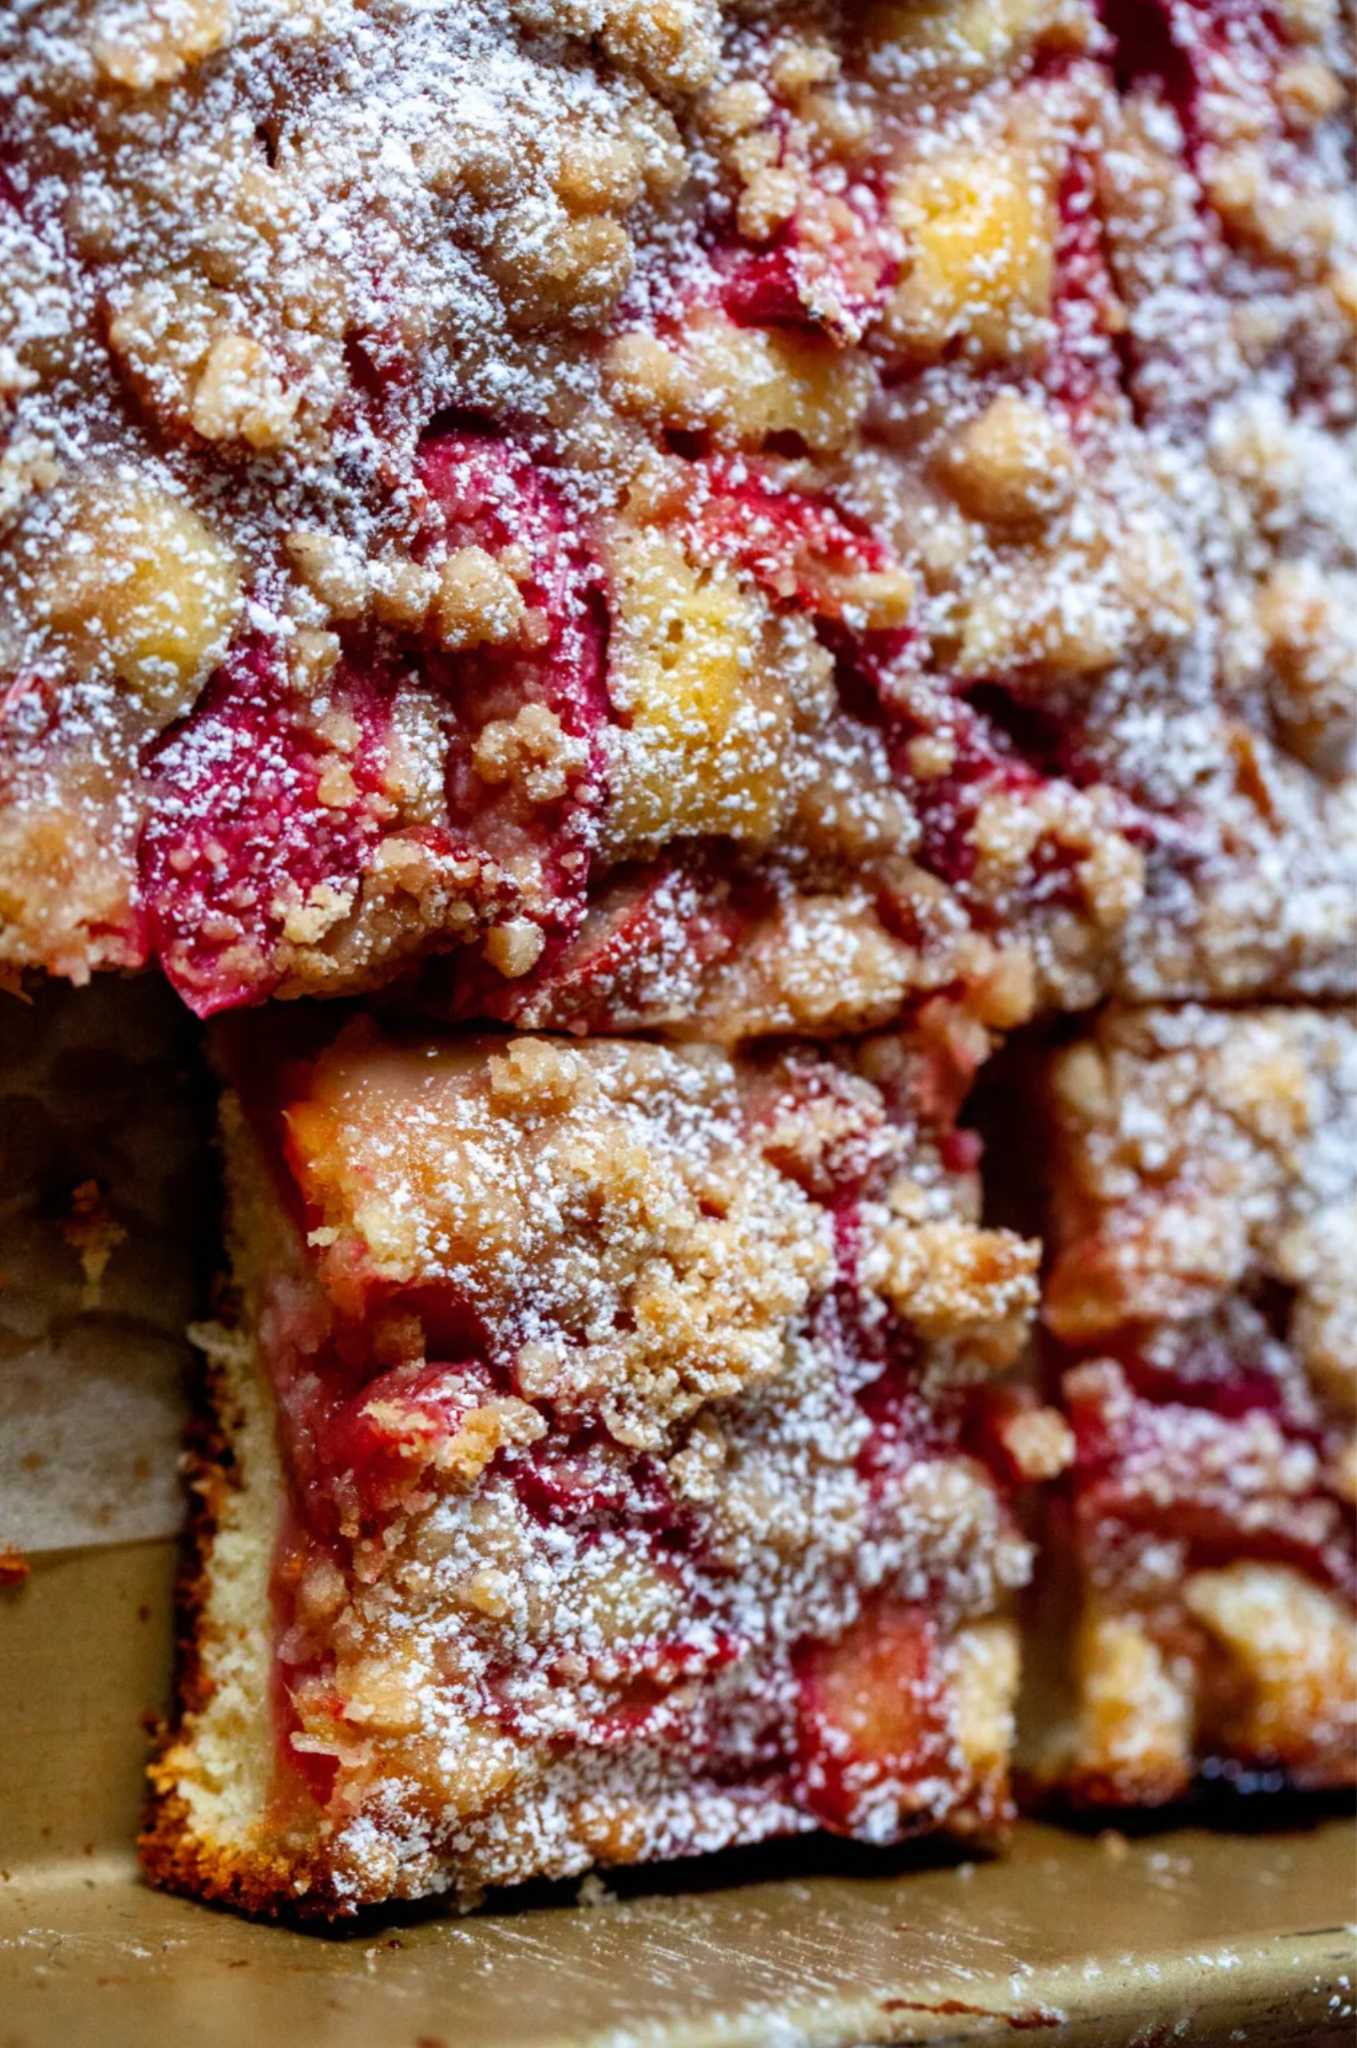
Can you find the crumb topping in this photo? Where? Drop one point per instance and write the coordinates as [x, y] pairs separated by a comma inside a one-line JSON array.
[[1207, 1155], [898, 448], [596, 1200]]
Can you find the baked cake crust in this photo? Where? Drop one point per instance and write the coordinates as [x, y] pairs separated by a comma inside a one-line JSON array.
[[703, 1535], [713, 534], [1205, 1194]]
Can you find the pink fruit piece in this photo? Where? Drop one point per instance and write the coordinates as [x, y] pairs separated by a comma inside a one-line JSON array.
[[363, 1455], [638, 957], [485, 492], [908, 1424], [871, 1720], [800, 549], [832, 283], [1190, 47], [852, 1161], [947, 806], [1226, 1486], [244, 832], [804, 551], [1001, 750], [1084, 365], [585, 1484], [1231, 1361], [237, 833]]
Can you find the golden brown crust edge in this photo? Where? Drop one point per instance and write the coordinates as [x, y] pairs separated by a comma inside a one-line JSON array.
[[174, 1853]]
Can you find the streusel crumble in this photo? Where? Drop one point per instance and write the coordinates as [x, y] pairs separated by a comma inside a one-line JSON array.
[[693, 515]]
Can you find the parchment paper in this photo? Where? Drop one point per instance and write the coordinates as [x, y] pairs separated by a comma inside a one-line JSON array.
[[106, 1251]]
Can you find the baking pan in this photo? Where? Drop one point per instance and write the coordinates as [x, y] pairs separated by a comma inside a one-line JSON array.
[[1194, 1933], [1237, 1932]]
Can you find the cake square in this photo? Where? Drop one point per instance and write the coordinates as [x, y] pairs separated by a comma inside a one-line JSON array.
[[607, 1461], [1203, 1311], [1229, 215]]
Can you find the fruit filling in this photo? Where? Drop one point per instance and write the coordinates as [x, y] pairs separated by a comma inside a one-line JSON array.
[[441, 763]]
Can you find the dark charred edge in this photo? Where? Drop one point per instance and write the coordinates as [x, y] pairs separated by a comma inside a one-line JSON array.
[[207, 1468], [1256, 1799], [263, 1885]]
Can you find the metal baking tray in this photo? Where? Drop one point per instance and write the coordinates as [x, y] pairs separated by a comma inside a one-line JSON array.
[[1193, 1934], [1241, 1932]]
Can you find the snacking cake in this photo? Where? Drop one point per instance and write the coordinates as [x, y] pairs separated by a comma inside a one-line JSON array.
[[1204, 1305], [704, 560], [613, 1435], [682, 517]]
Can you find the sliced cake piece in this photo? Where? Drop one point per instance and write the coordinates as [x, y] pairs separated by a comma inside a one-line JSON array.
[[607, 1465], [1203, 1300]]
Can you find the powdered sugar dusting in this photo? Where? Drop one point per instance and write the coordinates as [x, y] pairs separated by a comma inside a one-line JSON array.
[[947, 441]]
